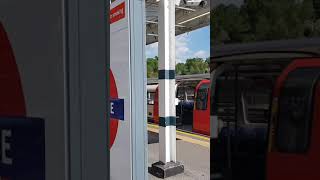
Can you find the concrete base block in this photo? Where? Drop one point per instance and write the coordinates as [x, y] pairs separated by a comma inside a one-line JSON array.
[[164, 170]]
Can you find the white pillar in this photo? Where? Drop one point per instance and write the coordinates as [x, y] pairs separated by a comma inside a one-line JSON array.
[[167, 108], [168, 165]]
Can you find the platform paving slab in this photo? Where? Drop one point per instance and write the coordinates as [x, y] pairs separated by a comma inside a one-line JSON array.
[[195, 159]]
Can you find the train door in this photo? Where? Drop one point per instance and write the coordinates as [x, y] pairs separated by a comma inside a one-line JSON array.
[[156, 106], [181, 96], [185, 92], [226, 111], [240, 119], [150, 104], [201, 114], [294, 148], [151, 95]]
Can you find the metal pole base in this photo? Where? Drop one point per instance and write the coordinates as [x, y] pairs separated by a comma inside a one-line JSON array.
[[164, 170]]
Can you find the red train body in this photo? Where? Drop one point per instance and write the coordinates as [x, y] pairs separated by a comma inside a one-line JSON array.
[[201, 113], [201, 107], [293, 145]]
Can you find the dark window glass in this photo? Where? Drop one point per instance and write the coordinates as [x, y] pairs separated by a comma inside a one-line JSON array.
[[256, 105], [181, 93], [185, 90], [224, 101], [190, 92], [202, 97], [151, 97], [295, 111]]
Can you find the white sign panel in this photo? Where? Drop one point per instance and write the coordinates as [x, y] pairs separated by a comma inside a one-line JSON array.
[[120, 136]]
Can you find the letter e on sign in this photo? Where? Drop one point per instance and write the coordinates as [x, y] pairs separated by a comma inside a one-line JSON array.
[[5, 147], [111, 110]]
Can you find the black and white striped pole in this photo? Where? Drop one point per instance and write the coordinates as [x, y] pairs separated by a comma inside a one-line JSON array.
[[168, 165]]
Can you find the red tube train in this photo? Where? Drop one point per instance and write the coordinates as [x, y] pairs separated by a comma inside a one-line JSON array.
[[295, 125], [192, 103], [201, 113], [265, 116]]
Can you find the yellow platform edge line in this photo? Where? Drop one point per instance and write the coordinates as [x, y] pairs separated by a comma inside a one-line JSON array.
[[187, 139], [181, 132]]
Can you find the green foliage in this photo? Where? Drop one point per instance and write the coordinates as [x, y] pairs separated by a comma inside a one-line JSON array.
[[260, 20], [196, 66], [181, 69], [192, 66], [152, 67]]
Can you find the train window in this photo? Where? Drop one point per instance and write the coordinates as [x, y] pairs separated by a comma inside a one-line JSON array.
[[151, 97], [181, 93], [256, 105], [295, 111], [185, 90], [202, 97], [190, 93], [224, 99]]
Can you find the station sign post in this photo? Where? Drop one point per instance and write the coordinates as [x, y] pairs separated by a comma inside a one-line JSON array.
[[53, 90], [128, 136]]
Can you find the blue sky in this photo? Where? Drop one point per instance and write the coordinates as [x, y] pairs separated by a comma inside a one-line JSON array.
[[188, 45]]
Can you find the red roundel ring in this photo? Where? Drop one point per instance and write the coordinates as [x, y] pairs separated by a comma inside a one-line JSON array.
[[113, 122], [12, 101]]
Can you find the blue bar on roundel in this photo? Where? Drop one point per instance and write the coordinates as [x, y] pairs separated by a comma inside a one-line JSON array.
[[117, 109]]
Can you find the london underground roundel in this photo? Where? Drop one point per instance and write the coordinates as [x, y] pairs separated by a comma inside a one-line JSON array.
[[11, 94], [113, 121]]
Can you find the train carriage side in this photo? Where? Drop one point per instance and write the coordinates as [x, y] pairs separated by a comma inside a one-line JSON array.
[[201, 114], [151, 98], [295, 125], [243, 86], [186, 92]]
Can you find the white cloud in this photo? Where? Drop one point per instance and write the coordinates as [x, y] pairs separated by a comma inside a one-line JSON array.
[[180, 60], [201, 54], [152, 50], [183, 51], [182, 40], [154, 45]]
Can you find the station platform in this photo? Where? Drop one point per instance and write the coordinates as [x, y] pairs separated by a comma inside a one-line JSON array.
[[193, 151]]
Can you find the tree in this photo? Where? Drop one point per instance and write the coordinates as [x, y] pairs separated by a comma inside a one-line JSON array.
[[196, 66], [192, 66], [262, 20], [181, 69], [152, 67]]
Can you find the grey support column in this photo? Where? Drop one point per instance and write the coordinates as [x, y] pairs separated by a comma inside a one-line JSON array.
[[167, 166]]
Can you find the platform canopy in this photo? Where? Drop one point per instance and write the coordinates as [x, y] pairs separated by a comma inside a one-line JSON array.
[[188, 18]]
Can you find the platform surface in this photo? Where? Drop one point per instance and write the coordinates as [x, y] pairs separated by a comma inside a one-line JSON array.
[[192, 151]]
